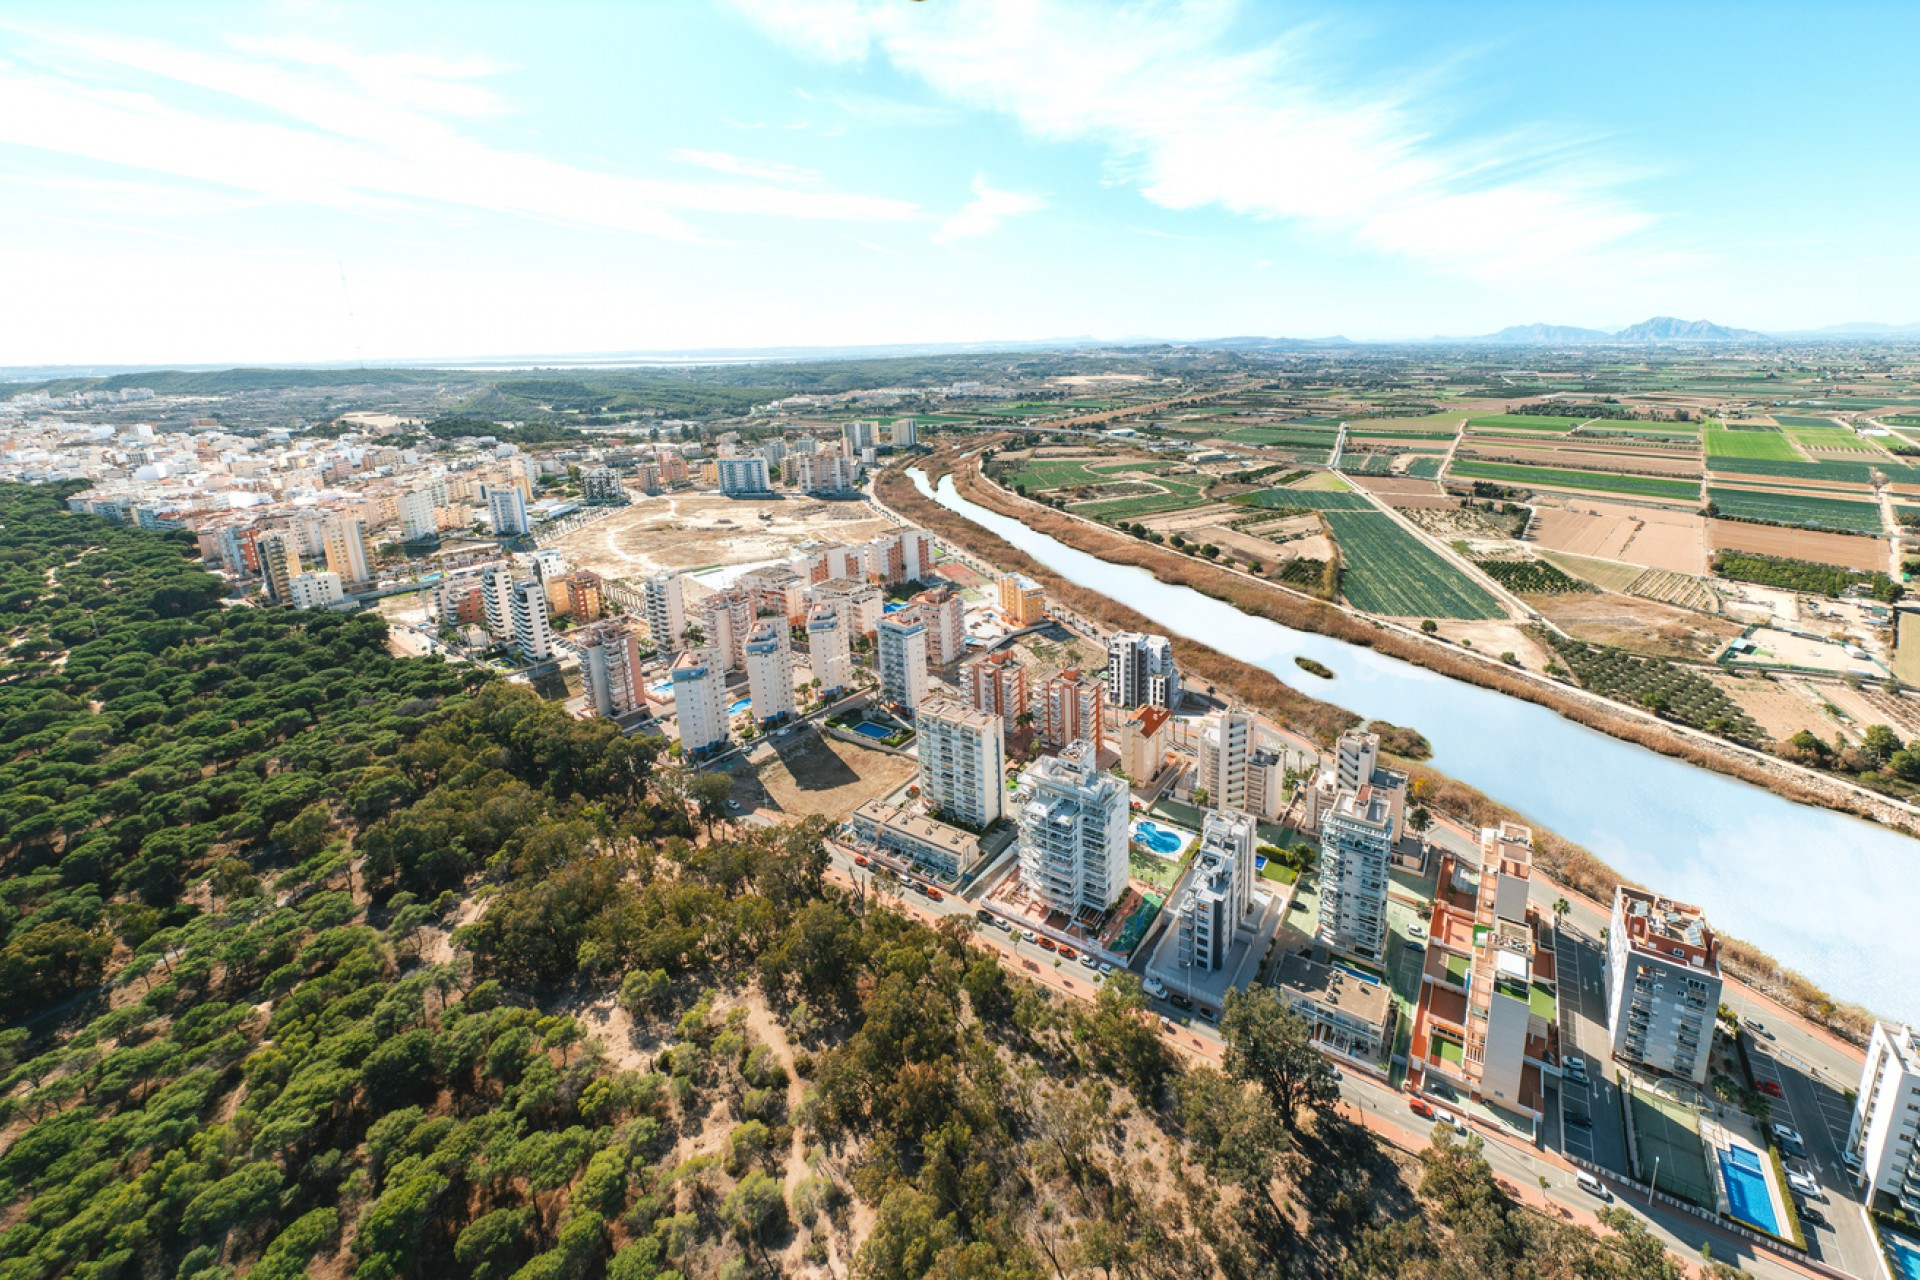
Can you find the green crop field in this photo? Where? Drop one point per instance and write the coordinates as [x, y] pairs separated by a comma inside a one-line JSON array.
[[1305, 500], [1523, 422], [1844, 472], [1067, 473], [1824, 433], [1425, 468], [1389, 571], [1562, 478], [1186, 491], [1748, 443], [1839, 514], [1283, 436], [1819, 424]]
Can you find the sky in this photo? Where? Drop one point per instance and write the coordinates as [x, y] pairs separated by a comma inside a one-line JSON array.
[[304, 181]]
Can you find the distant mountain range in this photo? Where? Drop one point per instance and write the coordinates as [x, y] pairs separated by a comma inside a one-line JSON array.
[[1658, 329]]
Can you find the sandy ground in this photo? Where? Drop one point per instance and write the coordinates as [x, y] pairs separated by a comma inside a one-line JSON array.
[[1871, 707], [1786, 648], [1650, 463], [1781, 709], [1497, 638], [1393, 487], [1194, 518], [695, 530], [811, 774], [1642, 626], [1846, 550], [1649, 536]]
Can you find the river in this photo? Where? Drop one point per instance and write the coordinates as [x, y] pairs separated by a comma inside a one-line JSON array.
[[1824, 893]]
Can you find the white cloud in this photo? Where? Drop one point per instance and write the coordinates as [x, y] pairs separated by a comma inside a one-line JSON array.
[[316, 123], [746, 167], [983, 214], [1194, 117]]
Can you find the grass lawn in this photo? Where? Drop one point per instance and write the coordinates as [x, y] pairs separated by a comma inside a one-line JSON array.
[[1722, 443], [1457, 967], [1449, 1051], [1541, 1002], [1564, 478], [1278, 873]]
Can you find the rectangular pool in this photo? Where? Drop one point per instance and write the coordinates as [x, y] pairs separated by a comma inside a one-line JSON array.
[[868, 729], [1905, 1252], [1747, 1197]]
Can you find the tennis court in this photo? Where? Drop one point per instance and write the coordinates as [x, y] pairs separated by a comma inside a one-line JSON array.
[[1668, 1132]]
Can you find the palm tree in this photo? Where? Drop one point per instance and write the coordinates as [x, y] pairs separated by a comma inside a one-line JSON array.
[[1560, 908]]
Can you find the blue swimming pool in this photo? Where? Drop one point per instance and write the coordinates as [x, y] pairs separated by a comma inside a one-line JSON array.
[[1905, 1252], [739, 705], [1164, 841], [868, 729], [1747, 1197], [893, 606], [1371, 979]]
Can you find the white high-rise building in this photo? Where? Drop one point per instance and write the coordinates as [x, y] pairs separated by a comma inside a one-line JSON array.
[[1227, 743], [507, 511], [1073, 831], [417, 518], [532, 622], [1356, 854], [315, 590], [1886, 1114], [496, 600], [699, 701], [822, 473], [829, 651], [664, 598], [770, 670], [962, 762], [903, 659], [905, 433], [610, 668], [916, 555], [344, 541], [1219, 893], [743, 476], [1141, 671], [859, 603], [1663, 984], [946, 620], [859, 436]]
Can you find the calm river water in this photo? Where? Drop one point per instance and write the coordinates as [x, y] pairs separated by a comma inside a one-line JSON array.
[[1829, 895]]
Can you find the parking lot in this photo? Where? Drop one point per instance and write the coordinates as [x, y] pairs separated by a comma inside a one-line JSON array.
[[1580, 967], [1818, 1111]]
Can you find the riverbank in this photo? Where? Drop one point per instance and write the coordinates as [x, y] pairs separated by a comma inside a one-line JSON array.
[[1560, 859], [1301, 612]]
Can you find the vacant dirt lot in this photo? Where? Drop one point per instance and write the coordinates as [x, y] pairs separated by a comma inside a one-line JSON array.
[[1781, 709], [695, 530], [1847, 550], [1649, 536], [1587, 459], [1643, 626], [809, 774]]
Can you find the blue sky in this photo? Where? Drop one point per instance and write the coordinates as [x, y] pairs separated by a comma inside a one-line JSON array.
[[304, 180]]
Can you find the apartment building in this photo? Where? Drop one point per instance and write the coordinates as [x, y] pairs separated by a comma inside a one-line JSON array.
[[1073, 832], [1219, 893], [496, 597], [1663, 984], [1227, 743], [1886, 1118], [415, 510], [315, 590], [769, 656], [586, 595], [829, 651], [699, 701], [279, 564], [1356, 850], [934, 846], [996, 683], [507, 511], [946, 620], [962, 762], [665, 606], [744, 477], [904, 434], [903, 659], [532, 622], [1141, 671], [1069, 709], [1344, 1014], [725, 617], [601, 487], [1355, 761], [823, 473], [344, 542], [610, 668], [672, 464], [859, 436], [1023, 602], [1484, 1022], [775, 590], [858, 602], [1142, 739]]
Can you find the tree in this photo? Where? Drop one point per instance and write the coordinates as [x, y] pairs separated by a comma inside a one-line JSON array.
[[1429, 626], [1123, 1037], [1560, 909], [756, 1207], [1200, 797], [1420, 820], [1270, 1046], [709, 793], [1880, 743]]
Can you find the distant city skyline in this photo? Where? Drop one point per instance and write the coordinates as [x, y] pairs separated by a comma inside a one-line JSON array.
[[314, 182]]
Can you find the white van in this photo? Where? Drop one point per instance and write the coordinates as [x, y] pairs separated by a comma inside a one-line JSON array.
[[1591, 1185]]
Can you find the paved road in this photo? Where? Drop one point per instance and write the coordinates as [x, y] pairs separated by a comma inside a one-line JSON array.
[[1383, 1109]]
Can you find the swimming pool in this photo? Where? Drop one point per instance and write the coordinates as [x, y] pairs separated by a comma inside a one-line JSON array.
[[893, 606], [1372, 980], [661, 689], [868, 729], [739, 705], [1164, 841], [1905, 1252], [1747, 1197]]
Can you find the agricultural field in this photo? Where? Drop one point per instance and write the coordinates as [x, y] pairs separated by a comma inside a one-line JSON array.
[[1840, 472], [1305, 500], [1658, 686], [1388, 571], [1530, 577], [1749, 442], [1283, 436], [1795, 575], [1840, 514], [1041, 474], [1436, 424], [1178, 492], [1426, 468], [1522, 422], [1682, 589], [1609, 575], [1561, 478], [1845, 550]]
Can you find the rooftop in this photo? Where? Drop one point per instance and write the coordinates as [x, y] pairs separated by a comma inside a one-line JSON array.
[[950, 710], [1676, 932], [919, 827], [1331, 987], [1367, 806]]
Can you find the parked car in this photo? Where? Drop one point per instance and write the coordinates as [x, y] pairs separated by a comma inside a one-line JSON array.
[[1576, 1068], [1420, 1108], [935, 894], [859, 859], [1592, 1185], [1179, 1001], [1048, 944], [1106, 969], [1758, 1027], [1806, 1186], [1850, 1160], [1421, 947], [1155, 988], [1786, 1134], [1088, 962], [1579, 1120], [983, 915], [1416, 930], [1207, 1015], [1771, 1088], [1068, 953], [1809, 1214]]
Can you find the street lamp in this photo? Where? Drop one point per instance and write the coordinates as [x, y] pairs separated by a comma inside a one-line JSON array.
[[1656, 1180]]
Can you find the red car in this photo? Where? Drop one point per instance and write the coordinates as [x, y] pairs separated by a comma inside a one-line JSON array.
[[1047, 944], [1068, 953], [1771, 1089], [860, 860], [1420, 1108], [934, 895]]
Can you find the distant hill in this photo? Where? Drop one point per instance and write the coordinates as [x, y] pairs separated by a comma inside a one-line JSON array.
[[1546, 333], [1658, 329]]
